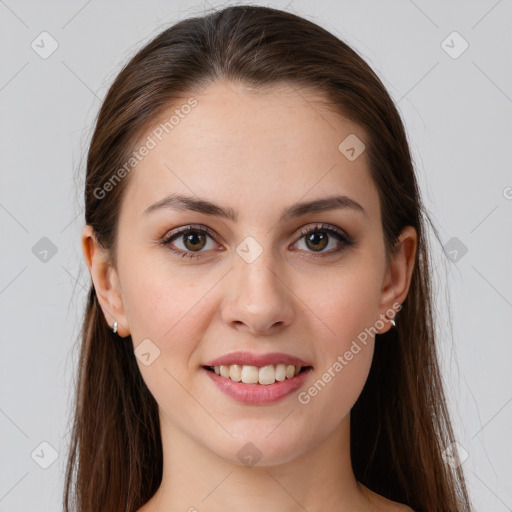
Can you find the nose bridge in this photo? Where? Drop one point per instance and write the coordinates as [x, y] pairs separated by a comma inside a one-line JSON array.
[[259, 298], [258, 280], [259, 276]]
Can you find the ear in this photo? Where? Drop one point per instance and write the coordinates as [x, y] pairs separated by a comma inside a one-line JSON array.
[[106, 281], [398, 275]]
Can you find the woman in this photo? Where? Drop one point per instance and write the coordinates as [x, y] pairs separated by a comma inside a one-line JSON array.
[[259, 330]]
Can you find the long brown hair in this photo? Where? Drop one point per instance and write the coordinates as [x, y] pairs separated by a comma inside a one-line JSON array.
[[400, 424]]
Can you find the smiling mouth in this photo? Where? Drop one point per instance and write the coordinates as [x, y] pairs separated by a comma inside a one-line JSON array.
[[264, 375]]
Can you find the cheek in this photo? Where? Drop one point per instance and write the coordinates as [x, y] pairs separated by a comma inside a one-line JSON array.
[[338, 381], [168, 312], [159, 299], [346, 302], [348, 308], [171, 308]]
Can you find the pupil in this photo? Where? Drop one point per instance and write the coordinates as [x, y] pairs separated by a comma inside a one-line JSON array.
[[192, 238], [322, 238]]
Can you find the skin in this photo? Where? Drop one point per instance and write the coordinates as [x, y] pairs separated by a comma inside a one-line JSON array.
[[257, 153]]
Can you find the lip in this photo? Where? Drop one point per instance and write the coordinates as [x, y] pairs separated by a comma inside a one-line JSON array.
[[258, 394], [252, 359]]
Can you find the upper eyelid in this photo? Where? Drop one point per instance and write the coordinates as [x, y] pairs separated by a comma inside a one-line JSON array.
[[299, 232], [190, 227]]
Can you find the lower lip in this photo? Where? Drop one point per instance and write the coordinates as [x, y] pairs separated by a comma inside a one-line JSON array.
[[258, 394]]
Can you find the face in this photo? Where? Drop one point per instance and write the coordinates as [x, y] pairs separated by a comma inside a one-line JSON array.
[[195, 287]]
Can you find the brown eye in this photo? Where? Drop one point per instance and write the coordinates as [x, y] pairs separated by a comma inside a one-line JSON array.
[[318, 238], [317, 241], [192, 239]]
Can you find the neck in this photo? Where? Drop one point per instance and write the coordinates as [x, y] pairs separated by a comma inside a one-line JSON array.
[[196, 479]]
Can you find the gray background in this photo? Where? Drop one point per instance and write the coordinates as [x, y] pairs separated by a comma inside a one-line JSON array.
[[457, 113]]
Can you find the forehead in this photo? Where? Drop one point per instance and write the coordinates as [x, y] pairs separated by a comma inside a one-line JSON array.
[[251, 149]]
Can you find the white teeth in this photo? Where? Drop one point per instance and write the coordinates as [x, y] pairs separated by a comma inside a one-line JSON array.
[[267, 375], [264, 375], [235, 372], [249, 374], [280, 372]]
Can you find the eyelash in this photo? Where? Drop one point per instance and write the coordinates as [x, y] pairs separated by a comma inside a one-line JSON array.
[[331, 230]]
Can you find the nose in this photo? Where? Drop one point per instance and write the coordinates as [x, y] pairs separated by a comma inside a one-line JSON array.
[[257, 301]]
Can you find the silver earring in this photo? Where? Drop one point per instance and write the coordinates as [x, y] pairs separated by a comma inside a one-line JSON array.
[[114, 328], [391, 321]]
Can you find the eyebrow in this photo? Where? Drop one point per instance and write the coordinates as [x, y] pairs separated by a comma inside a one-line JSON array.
[[182, 202]]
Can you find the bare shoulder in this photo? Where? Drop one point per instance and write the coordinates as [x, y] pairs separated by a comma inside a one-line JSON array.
[[393, 506], [400, 507], [382, 504]]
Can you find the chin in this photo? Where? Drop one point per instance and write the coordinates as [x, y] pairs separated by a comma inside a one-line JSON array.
[[259, 448]]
